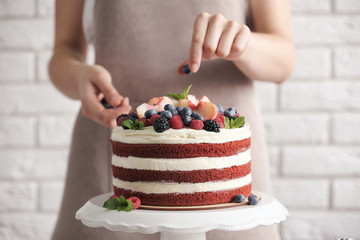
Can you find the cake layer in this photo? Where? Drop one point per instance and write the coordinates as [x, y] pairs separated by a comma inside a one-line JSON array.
[[181, 164], [174, 187], [187, 199], [134, 175], [180, 150], [179, 136]]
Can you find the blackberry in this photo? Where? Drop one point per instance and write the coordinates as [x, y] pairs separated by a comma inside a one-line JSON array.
[[161, 124], [122, 115], [211, 126]]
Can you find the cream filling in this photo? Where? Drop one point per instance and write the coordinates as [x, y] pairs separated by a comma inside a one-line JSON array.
[[170, 187], [181, 164], [180, 136]]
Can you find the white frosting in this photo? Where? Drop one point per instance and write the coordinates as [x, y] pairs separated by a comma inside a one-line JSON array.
[[181, 164], [179, 136], [171, 187]]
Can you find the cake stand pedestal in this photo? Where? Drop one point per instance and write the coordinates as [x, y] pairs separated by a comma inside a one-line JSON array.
[[182, 224]]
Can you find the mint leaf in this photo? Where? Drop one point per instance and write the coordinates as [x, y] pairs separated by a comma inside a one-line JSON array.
[[238, 122], [129, 206], [128, 123], [234, 123], [179, 96], [111, 204], [174, 95], [138, 125], [227, 123]]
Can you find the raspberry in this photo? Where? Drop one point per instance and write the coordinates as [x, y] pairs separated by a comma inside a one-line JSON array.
[[121, 118], [145, 122], [211, 126], [176, 122], [220, 120], [161, 124], [197, 124], [135, 201], [153, 118], [113, 196]]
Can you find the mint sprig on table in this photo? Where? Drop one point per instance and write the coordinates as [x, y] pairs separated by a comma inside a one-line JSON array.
[[137, 125], [234, 123], [179, 96], [120, 204]]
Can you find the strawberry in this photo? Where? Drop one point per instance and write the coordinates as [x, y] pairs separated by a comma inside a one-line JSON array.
[[196, 124], [135, 201], [176, 122], [153, 118], [220, 119]]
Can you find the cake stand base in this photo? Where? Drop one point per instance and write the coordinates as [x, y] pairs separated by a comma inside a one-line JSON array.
[[182, 236], [176, 225]]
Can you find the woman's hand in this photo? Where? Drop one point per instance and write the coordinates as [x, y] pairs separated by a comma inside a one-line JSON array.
[[95, 84], [215, 37]]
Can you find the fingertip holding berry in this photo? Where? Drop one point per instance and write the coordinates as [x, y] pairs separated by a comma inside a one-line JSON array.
[[186, 69], [106, 104]]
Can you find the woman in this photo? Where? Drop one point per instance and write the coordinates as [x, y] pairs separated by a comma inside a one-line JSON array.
[[139, 45]]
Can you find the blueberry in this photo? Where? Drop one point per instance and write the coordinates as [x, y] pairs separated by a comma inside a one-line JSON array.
[[166, 114], [186, 111], [149, 113], [197, 116], [179, 109], [133, 115], [186, 120], [173, 111], [106, 104], [186, 69], [220, 108], [253, 200], [239, 198], [230, 112], [169, 107]]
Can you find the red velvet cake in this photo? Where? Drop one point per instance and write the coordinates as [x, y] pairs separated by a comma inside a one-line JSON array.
[[182, 152]]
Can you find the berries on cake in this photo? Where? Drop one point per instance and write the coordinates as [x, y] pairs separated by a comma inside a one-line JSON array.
[[177, 150]]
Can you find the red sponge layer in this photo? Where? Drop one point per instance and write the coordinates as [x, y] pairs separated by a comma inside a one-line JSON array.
[[190, 199], [195, 176], [180, 150]]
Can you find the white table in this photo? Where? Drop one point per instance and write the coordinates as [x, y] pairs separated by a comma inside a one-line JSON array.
[[176, 225]]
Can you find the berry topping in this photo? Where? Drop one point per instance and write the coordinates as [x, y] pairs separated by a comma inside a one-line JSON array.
[[149, 113], [211, 126], [197, 124], [113, 196], [135, 201], [186, 111], [145, 122], [134, 115], [121, 118], [179, 109], [239, 198], [106, 104], [207, 110], [253, 199], [169, 107], [176, 122], [166, 114], [192, 101], [230, 112], [153, 118], [197, 116], [186, 120], [220, 119], [186, 69], [161, 124], [220, 108]]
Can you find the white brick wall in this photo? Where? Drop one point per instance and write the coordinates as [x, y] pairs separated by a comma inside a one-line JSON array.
[[312, 123]]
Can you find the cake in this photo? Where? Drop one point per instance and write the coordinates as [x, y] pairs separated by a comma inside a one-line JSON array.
[[181, 151]]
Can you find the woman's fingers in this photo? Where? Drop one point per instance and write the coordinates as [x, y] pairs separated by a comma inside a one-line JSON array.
[[214, 31], [198, 37], [227, 39], [102, 80], [240, 42]]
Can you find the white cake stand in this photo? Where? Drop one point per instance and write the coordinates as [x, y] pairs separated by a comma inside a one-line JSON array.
[[176, 225]]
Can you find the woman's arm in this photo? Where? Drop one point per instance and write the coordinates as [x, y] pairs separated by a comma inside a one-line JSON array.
[[267, 54], [73, 76]]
